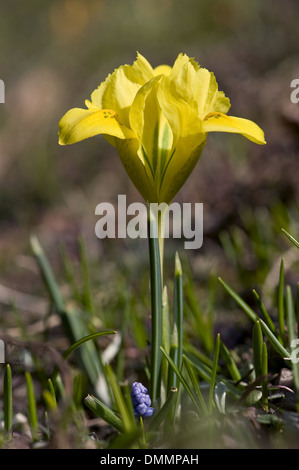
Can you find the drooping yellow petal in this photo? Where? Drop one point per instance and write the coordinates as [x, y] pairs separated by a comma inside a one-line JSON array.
[[218, 122], [79, 124]]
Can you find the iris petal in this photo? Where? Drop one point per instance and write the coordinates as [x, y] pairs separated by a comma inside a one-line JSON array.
[[218, 122], [79, 124]]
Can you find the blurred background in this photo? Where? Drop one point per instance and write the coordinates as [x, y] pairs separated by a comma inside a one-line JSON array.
[[54, 53]]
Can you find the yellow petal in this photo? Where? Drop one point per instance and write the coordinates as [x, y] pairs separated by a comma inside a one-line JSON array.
[[136, 115], [162, 70], [218, 122], [156, 136], [119, 89], [183, 160], [128, 151], [79, 124]]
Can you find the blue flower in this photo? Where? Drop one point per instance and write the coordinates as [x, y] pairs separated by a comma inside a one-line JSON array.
[[141, 400]]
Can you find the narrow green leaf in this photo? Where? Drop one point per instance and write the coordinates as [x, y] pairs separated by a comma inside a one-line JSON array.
[[165, 334], [290, 314], [178, 308], [165, 411], [244, 306], [220, 396], [181, 378], [196, 390], [206, 374], [257, 345], [87, 297], [125, 414], [290, 237], [281, 314], [172, 380], [230, 363], [264, 312], [70, 314], [202, 330], [214, 372], [7, 397], [47, 274], [32, 410], [103, 411], [291, 322], [52, 391], [274, 341], [81, 341], [265, 374], [50, 402], [254, 317]]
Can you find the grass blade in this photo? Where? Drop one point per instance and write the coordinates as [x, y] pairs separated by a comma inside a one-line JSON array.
[[165, 411], [194, 381], [181, 379], [254, 317], [52, 392], [178, 311], [103, 411], [264, 312], [128, 423], [257, 345], [87, 297], [291, 321], [7, 392], [165, 335], [230, 363], [71, 316], [265, 374], [214, 372], [290, 237], [244, 306], [32, 410], [81, 341], [281, 314]]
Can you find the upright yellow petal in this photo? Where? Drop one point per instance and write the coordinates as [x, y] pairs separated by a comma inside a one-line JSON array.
[[152, 130], [79, 124], [119, 89], [218, 122], [162, 70]]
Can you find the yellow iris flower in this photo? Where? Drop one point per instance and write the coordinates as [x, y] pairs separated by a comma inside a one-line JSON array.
[[158, 120]]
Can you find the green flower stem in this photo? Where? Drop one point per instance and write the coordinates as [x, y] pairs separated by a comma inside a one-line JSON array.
[[161, 227], [156, 305]]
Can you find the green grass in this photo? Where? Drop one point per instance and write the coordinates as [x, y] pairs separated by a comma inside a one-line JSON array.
[[205, 397]]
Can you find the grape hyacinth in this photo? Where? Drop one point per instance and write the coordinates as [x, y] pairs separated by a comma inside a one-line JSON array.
[[141, 400]]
